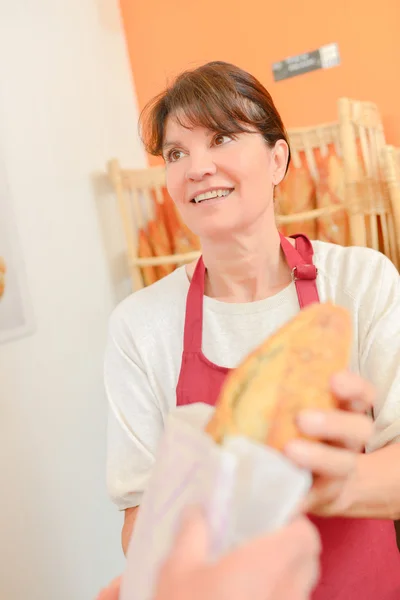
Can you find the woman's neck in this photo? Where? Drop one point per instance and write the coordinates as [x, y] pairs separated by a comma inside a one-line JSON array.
[[249, 267]]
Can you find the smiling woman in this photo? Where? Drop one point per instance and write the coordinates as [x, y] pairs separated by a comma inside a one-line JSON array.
[[174, 342], [213, 145]]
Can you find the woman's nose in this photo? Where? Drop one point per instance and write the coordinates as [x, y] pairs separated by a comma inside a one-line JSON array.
[[200, 166]]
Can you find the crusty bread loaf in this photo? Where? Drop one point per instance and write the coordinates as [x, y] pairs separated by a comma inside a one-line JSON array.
[[289, 372]]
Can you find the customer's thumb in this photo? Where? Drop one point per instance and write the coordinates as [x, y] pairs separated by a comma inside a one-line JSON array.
[[190, 547], [112, 591]]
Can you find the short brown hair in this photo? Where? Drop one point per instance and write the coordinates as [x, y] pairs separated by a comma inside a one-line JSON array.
[[219, 96]]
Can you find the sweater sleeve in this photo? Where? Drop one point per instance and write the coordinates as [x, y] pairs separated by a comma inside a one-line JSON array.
[[135, 421], [380, 352]]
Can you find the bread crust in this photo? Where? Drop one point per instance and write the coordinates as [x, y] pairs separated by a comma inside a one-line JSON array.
[[289, 372]]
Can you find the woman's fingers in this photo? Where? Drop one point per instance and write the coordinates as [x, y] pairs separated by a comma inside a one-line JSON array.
[[348, 429], [321, 459], [353, 392], [345, 432], [337, 438]]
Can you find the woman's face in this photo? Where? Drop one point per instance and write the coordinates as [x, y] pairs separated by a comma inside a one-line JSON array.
[[221, 184]]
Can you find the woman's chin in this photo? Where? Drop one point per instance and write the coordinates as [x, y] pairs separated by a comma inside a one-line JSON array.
[[223, 229], [217, 233]]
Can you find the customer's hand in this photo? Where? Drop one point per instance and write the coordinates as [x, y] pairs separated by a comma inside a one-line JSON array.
[[282, 566], [344, 432], [112, 591]]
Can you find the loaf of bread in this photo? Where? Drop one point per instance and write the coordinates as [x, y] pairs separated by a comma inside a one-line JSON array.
[[289, 372]]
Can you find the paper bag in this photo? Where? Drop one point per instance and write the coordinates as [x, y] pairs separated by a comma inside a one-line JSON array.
[[244, 489]]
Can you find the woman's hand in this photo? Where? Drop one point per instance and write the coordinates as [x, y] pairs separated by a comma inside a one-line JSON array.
[[344, 432]]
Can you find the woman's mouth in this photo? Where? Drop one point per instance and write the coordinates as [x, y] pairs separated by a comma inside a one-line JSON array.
[[212, 195]]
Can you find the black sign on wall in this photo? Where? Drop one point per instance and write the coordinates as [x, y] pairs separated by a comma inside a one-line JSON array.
[[323, 58]]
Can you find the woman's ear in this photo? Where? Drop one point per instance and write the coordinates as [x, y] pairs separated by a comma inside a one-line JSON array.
[[280, 157]]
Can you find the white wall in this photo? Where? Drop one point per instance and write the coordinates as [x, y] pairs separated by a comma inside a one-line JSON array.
[[66, 106]]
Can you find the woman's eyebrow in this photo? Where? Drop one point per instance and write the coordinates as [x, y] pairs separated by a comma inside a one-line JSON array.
[[169, 144]]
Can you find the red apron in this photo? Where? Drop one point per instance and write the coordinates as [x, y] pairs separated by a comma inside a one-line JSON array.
[[359, 556]]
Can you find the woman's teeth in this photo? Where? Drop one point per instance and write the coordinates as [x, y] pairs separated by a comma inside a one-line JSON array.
[[212, 194]]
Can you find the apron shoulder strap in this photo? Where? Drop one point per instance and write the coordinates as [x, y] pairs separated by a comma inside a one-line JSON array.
[[193, 326], [304, 272]]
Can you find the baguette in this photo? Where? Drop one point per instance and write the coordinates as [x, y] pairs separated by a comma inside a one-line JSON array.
[[289, 372]]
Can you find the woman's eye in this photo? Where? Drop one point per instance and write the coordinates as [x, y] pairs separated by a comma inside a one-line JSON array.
[[222, 139], [174, 155]]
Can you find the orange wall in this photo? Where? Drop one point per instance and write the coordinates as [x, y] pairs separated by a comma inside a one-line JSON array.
[[167, 36]]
